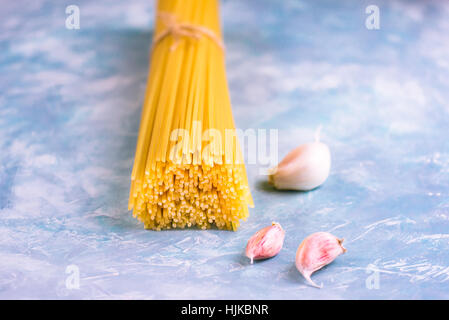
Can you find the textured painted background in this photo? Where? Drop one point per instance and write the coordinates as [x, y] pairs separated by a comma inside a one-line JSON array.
[[69, 109]]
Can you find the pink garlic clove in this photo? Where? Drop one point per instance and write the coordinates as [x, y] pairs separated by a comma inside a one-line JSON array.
[[265, 243], [316, 251]]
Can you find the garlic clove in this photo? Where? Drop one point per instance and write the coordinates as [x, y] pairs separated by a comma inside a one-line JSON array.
[[265, 243], [316, 251], [304, 168]]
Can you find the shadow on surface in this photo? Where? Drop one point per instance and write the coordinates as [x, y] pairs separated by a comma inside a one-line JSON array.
[[264, 185]]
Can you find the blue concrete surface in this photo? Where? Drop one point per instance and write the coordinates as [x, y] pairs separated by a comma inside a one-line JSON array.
[[69, 110]]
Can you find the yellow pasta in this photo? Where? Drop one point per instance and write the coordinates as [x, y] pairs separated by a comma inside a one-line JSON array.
[[188, 168]]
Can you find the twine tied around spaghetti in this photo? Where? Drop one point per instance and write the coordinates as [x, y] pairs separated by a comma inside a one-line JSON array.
[[182, 29]]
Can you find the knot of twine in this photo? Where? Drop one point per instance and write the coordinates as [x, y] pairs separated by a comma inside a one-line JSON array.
[[181, 29]]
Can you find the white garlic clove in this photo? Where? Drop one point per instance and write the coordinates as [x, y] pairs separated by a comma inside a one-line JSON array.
[[265, 243], [316, 251], [304, 168]]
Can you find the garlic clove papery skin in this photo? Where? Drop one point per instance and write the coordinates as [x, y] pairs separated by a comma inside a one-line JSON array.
[[316, 251], [304, 168], [265, 243]]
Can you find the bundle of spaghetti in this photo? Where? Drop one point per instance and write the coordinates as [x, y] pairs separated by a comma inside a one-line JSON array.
[[188, 167]]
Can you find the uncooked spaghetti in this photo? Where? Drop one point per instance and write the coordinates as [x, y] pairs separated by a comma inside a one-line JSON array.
[[188, 169]]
